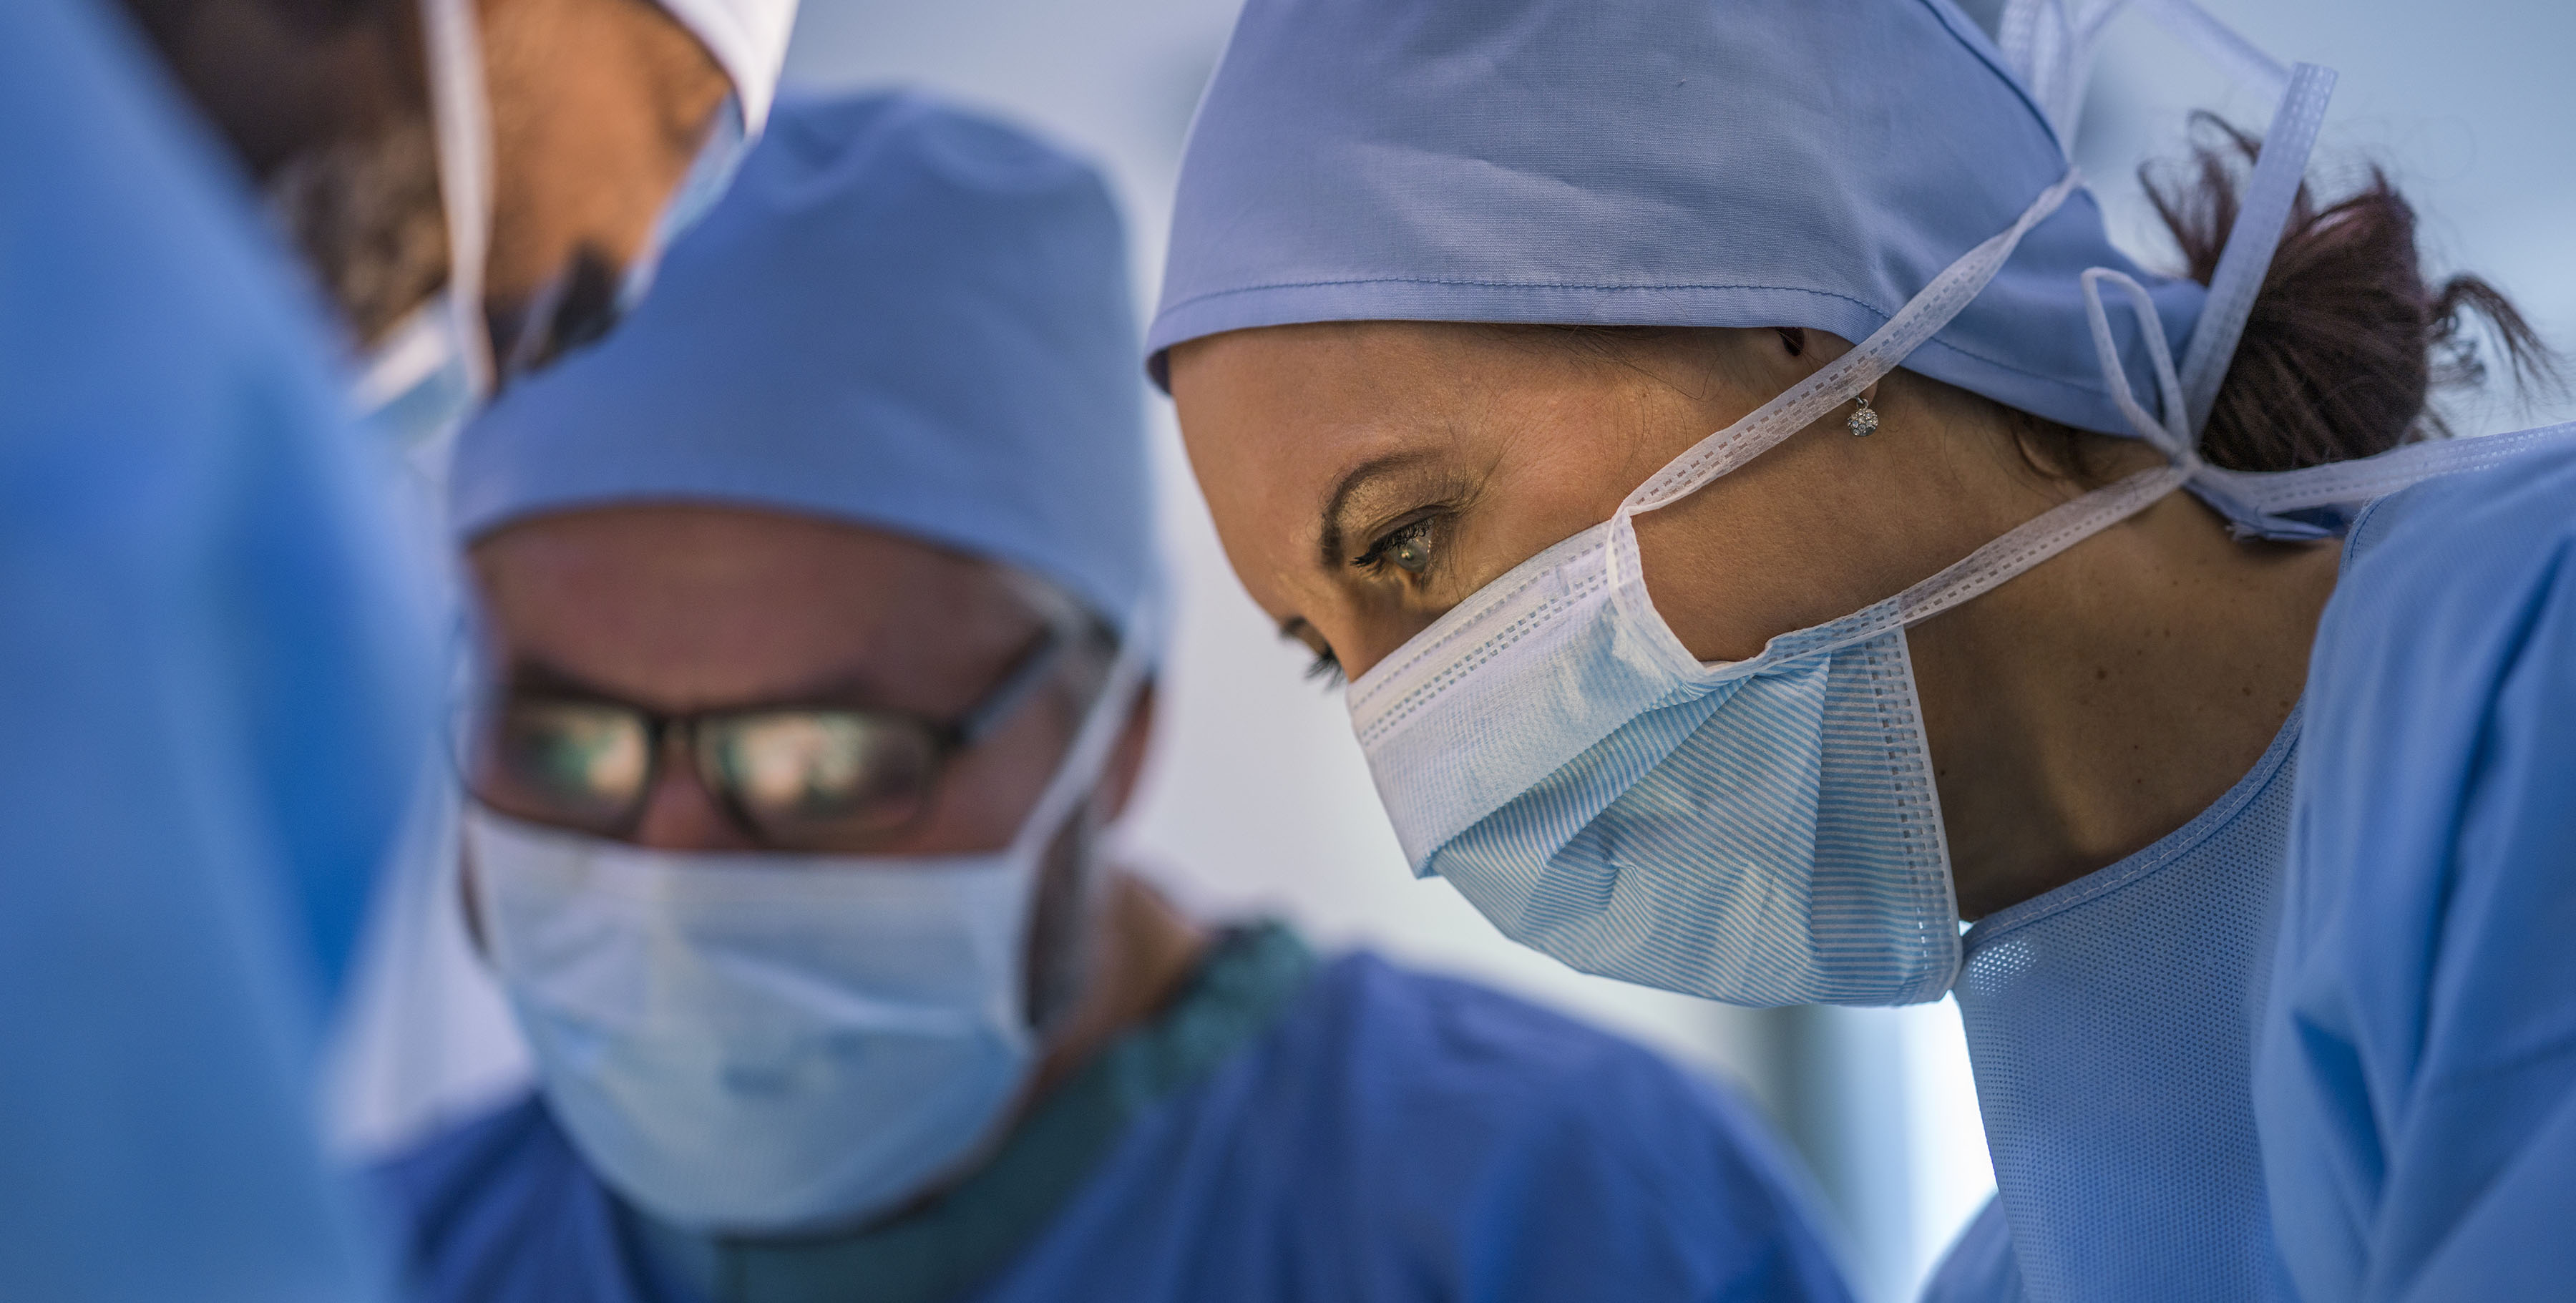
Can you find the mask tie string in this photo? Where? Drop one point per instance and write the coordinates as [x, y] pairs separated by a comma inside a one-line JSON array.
[[2167, 432], [461, 114], [2280, 165], [1799, 406]]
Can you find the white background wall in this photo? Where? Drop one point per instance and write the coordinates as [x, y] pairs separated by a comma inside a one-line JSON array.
[[1259, 800]]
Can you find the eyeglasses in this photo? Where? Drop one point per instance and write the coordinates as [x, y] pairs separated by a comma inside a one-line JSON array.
[[790, 777]]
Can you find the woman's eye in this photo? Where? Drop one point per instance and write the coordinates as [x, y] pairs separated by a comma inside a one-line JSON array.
[[1407, 548]]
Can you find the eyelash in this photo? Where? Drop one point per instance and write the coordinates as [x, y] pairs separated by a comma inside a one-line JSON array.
[[1326, 667], [1373, 558]]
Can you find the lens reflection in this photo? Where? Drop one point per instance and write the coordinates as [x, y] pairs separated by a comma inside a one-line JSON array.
[[578, 763], [801, 774]]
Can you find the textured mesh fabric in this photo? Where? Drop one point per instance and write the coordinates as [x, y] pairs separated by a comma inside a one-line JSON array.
[[1677, 852], [2111, 1026]]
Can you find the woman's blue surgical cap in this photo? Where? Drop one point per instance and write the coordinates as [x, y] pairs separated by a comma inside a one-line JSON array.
[[1743, 163], [901, 316]]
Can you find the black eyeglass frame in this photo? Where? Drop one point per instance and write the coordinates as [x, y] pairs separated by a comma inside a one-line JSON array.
[[947, 738]]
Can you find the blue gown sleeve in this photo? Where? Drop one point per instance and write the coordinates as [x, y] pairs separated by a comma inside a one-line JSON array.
[[2416, 1083], [213, 668]]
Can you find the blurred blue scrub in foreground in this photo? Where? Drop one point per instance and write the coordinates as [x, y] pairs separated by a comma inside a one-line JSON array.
[[216, 668], [2417, 1076]]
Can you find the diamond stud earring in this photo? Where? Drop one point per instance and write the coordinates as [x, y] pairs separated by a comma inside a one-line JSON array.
[[1864, 422]]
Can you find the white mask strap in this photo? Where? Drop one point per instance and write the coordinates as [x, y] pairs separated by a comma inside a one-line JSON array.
[[1087, 757], [2051, 45], [1802, 403], [2279, 167], [461, 114], [2168, 434]]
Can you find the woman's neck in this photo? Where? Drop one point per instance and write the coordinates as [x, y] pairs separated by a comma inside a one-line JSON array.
[[2083, 710]]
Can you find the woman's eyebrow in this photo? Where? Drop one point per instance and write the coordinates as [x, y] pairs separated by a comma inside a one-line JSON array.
[[1332, 539]]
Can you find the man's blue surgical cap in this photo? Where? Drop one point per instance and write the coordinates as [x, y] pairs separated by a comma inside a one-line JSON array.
[[1743, 163], [901, 316]]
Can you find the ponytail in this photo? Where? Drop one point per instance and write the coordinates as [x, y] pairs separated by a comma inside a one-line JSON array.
[[2347, 341]]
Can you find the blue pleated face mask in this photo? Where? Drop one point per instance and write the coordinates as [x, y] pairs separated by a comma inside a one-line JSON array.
[[1763, 831], [772, 1043]]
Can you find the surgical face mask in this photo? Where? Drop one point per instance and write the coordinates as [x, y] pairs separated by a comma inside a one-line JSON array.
[[768, 1043], [1763, 831]]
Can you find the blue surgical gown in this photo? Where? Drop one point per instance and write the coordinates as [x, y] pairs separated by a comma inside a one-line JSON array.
[[1371, 1135], [213, 660], [2416, 1082]]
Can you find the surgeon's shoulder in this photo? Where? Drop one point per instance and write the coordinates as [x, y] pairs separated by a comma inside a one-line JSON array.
[[1507, 1053], [498, 1208], [2458, 546], [1580, 1155]]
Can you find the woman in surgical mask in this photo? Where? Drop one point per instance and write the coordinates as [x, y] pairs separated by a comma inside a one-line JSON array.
[[2011, 589]]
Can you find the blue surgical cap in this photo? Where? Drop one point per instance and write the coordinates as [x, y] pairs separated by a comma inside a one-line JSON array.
[[1747, 163], [901, 316]]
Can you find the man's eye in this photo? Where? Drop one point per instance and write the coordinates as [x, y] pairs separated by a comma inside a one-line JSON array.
[[1407, 547]]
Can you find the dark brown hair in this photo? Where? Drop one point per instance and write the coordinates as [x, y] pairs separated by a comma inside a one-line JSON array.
[[2347, 341]]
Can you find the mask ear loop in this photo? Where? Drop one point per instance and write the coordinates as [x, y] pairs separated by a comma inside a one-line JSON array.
[[2169, 432], [460, 112], [1803, 403], [1800, 405], [1085, 758], [1076, 777]]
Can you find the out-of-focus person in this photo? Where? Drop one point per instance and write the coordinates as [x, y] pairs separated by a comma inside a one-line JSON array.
[[219, 668], [819, 613]]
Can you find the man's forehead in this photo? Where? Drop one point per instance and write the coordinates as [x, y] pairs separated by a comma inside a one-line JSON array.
[[716, 539], [692, 605]]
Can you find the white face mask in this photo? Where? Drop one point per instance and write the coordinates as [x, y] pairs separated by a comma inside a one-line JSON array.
[[763, 1042]]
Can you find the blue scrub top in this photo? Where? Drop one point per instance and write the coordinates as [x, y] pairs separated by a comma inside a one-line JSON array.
[[214, 676], [2354, 1000], [2416, 1081], [1364, 1134], [2111, 1023]]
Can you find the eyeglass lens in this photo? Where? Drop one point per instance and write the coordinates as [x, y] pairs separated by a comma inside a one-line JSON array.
[[575, 763], [796, 777], [804, 777]]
